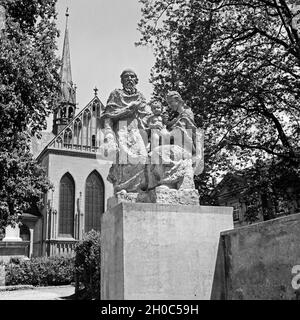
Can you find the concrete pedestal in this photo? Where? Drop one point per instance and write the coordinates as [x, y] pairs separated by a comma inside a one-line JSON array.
[[156, 251]]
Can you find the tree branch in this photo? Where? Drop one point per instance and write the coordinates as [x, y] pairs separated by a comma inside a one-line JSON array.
[[278, 41], [283, 138], [258, 147]]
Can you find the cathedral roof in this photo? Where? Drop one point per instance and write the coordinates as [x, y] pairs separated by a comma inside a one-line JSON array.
[[38, 144], [80, 135]]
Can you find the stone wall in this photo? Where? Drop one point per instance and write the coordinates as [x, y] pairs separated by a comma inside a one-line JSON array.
[[260, 261]]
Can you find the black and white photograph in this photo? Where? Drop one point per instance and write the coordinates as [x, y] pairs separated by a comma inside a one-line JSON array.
[[149, 151]]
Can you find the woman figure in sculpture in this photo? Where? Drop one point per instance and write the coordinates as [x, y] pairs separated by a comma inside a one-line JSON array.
[[180, 157]]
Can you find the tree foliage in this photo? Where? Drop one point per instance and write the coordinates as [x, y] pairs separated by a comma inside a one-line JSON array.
[[28, 89], [237, 64]]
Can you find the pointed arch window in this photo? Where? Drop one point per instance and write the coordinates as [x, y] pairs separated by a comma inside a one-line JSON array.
[[77, 131], [68, 136], [87, 116], [59, 142], [93, 140], [64, 112], [94, 201], [87, 124], [66, 206], [71, 112]]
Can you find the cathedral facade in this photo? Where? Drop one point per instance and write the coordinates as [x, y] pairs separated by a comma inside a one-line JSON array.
[[70, 156]]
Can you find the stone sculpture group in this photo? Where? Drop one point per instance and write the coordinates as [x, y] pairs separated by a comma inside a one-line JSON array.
[[154, 159]]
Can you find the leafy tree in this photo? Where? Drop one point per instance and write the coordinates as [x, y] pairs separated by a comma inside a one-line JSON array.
[[236, 63], [28, 89]]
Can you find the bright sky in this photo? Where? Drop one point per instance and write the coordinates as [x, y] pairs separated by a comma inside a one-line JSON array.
[[102, 36]]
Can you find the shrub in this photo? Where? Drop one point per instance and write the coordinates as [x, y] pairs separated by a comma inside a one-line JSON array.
[[44, 271], [87, 265], [15, 260]]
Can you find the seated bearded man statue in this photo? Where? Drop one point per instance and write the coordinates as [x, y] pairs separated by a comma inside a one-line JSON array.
[[125, 118]]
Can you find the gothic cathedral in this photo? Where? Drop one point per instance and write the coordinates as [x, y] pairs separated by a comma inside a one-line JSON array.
[[69, 155]]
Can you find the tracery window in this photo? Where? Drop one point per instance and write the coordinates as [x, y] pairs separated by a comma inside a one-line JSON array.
[[94, 201], [66, 206]]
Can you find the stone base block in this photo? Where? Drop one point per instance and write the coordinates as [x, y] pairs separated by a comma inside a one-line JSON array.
[[9, 249], [163, 195], [122, 197], [157, 251], [172, 196]]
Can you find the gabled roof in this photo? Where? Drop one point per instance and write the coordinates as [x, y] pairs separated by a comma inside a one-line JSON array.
[[231, 182], [38, 144], [94, 110]]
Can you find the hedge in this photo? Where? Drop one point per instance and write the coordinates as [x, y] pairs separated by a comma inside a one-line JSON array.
[[44, 271], [87, 266]]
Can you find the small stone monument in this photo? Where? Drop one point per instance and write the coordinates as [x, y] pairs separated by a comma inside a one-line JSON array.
[[2, 18], [157, 241], [12, 234], [2, 275]]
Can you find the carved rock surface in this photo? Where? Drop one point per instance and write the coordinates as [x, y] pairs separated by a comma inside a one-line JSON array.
[[161, 195]]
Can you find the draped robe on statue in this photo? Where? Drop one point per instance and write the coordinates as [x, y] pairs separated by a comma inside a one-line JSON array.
[[123, 125], [176, 162]]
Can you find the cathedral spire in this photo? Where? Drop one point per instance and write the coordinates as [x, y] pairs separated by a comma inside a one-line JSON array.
[[65, 111], [68, 93]]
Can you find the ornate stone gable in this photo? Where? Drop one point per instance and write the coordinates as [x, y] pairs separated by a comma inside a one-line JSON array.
[[83, 131]]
